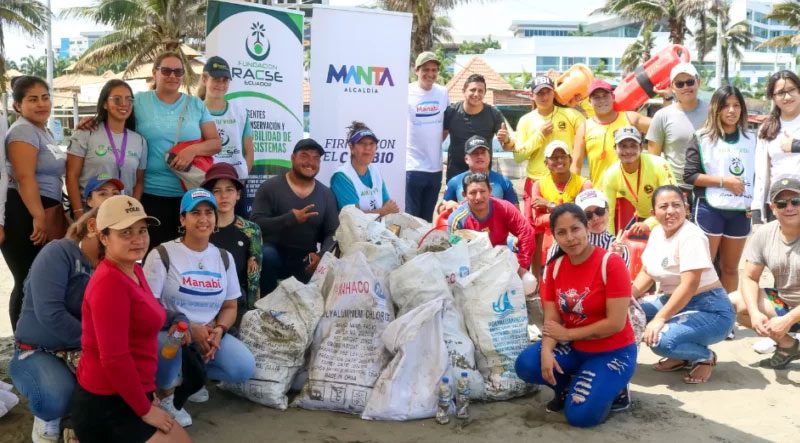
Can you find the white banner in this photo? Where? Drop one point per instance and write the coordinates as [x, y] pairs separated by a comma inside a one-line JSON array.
[[264, 48], [359, 71]]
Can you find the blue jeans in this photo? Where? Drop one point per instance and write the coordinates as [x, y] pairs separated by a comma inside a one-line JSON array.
[[45, 381], [233, 363], [705, 320], [591, 379], [422, 191], [278, 263]]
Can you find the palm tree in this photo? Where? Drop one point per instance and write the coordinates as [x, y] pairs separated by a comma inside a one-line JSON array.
[[651, 13], [34, 65], [789, 14], [143, 29], [701, 10], [581, 32], [28, 16], [441, 30], [425, 13], [735, 38], [639, 51]]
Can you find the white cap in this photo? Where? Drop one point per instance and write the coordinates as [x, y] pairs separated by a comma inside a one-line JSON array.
[[683, 68], [591, 197], [553, 145]]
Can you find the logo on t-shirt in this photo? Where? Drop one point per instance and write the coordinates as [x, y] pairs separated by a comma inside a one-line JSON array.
[[202, 283], [428, 108], [570, 302]]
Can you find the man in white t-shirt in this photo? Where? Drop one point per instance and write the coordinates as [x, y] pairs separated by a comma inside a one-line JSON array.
[[426, 104], [774, 312]]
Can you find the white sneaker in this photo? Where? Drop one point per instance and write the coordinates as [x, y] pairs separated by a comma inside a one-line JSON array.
[[46, 431], [200, 396], [180, 415], [764, 346]]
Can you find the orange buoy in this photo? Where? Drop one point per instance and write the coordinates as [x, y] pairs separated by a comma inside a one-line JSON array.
[[573, 83], [638, 86]]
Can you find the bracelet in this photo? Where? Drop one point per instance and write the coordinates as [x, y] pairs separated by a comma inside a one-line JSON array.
[[721, 184]]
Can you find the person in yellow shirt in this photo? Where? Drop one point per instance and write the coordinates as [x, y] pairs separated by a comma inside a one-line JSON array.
[[547, 122], [595, 137], [634, 177]]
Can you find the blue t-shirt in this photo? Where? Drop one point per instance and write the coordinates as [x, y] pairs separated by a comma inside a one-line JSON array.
[[157, 122], [346, 193], [501, 188], [51, 160]]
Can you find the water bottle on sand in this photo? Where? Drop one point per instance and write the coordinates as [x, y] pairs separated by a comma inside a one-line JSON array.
[[443, 404], [462, 396]]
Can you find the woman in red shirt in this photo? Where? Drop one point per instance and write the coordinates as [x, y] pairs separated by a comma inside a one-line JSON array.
[[120, 322], [588, 352]]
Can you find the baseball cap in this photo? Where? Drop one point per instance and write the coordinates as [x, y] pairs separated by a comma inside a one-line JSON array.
[[591, 197], [599, 84], [475, 142], [425, 57], [309, 143], [121, 211], [784, 183], [217, 67], [97, 181], [682, 68], [221, 170], [553, 145], [194, 197], [627, 132], [361, 133], [542, 81]]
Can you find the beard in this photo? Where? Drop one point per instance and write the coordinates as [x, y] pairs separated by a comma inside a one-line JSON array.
[[301, 175]]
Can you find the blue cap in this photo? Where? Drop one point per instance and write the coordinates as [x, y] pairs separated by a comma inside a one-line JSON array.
[[194, 197], [99, 180], [362, 133]]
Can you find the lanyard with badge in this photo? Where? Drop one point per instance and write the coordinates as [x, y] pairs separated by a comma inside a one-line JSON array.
[[119, 154], [635, 195]]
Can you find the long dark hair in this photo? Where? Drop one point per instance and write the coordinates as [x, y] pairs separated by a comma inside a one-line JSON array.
[[102, 112], [713, 126], [772, 125], [566, 208], [21, 85]]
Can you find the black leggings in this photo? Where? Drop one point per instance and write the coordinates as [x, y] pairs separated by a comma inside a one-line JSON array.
[[18, 249], [167, 211]]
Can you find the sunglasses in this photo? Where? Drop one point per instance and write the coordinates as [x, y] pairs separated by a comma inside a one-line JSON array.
[[782, 204], [166, 72], [119, 100], [681, 84], [597, 212]]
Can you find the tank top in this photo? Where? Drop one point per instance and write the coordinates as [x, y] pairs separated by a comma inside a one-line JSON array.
[[551, 193], [369, 199], [600, 150], [723, 159]]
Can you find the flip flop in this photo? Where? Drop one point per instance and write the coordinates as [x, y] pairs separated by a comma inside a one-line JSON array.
[[676, 367], [690, 380], [782, 356]]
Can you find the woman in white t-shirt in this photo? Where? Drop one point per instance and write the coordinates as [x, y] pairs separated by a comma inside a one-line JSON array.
[[692, 311], [197, 283], [778, 147]]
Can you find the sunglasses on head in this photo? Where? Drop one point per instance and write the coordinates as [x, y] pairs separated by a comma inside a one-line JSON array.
[[782, 204], [681, 84], [597, 212], [166, 72]]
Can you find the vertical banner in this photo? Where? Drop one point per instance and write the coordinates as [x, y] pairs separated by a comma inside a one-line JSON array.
[[359, 71], [264, 48]]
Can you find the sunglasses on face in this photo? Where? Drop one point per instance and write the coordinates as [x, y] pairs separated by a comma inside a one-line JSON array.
[[782, 204], [599, 212], [119, 101], [166, 72], [688, 83]]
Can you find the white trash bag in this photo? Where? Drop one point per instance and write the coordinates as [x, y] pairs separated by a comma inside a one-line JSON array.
[[493, 304], [407, 387], [319, 277], [382, 258], [347, 354], [454, 262], [411, 228], [278, 333]]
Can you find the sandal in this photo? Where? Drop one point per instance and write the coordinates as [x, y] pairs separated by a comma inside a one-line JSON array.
[[691, 380], [661, 367], [69, 436], [782, 356]]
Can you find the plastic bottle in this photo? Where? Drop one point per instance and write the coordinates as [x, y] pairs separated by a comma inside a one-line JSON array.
[[443, 404], [462, 396], [170, 348]]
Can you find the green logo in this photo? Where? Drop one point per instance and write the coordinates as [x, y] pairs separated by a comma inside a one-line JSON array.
[[254, 47], [101, 150], [736, 168]]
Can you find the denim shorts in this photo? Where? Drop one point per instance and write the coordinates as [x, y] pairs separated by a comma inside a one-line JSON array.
[[716, 222], [780, 306]]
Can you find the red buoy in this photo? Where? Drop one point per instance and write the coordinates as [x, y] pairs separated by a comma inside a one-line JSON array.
[[639, 85]]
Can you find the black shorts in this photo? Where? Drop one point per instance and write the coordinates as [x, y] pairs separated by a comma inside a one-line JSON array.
[[107, 418]]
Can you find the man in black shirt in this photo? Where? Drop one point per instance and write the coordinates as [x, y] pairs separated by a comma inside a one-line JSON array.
[[298, 217]]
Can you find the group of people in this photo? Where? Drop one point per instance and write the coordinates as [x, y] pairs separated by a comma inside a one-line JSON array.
[[144, 260], [693, 180]]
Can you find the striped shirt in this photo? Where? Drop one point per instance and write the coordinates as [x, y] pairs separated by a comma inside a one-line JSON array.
[[603, 240]]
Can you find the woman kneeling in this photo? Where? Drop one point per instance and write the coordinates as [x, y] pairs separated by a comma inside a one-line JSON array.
[[587, 353]]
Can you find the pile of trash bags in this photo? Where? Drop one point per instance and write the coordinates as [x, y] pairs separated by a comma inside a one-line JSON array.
[[377, 328]]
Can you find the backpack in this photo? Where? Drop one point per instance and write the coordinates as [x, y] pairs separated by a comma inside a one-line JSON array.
[[162, 253]]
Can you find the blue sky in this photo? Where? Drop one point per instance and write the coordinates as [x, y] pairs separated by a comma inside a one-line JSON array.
[[479, 18]]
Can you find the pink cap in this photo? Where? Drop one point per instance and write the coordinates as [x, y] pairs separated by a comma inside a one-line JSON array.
[[599, 84]]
